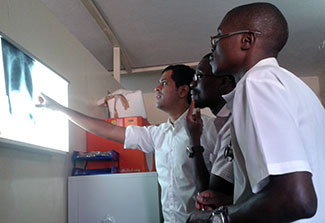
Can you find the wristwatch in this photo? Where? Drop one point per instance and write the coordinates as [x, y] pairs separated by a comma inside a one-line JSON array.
[[190, 151], [219, 215]]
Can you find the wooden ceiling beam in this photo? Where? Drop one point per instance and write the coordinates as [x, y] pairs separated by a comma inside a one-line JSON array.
[[103, 24]]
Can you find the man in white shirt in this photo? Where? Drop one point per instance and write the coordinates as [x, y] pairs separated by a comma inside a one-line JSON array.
[[168, 140], [278, 123]]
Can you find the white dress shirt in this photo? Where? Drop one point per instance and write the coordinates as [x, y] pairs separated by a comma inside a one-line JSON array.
[[173, 166], [278, 128], [222, 166]]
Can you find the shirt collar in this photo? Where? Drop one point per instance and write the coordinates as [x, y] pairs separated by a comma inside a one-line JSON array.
[[268, 61], [229, 99], [230, 96], [177, 123], [224, 112]]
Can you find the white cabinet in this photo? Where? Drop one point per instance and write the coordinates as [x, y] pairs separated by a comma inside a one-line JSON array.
[[128, 197]]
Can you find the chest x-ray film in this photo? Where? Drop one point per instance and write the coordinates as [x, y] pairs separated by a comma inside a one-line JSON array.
[[22, 78]]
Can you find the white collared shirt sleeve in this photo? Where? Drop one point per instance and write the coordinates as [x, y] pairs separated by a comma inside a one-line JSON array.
[[140, 137], [278, 128], [222, 166], [266, 129], [208, 140]]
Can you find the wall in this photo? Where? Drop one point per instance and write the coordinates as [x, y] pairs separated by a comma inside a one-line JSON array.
[[33, 185], [322, 87], [314, 83]]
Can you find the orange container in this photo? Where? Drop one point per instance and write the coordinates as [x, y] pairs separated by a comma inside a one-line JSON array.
[[116, 121], [139, 121], [131, 160]]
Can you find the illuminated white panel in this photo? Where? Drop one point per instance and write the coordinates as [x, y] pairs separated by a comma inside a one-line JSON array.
[[22, 78]]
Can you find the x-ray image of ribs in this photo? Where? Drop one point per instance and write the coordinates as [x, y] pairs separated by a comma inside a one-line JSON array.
[[18, 77]]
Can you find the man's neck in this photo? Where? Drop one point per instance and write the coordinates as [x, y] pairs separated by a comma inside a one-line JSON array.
[[215, 109], [177, 112]]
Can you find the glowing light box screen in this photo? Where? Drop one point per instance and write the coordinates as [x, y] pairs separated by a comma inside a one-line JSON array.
[[22, 78]]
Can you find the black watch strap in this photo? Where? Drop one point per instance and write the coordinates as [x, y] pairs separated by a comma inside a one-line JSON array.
[[190, 151]]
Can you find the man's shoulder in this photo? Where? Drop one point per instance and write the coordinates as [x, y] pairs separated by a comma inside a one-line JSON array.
[[148, 131], [264, 70], [158, 127]]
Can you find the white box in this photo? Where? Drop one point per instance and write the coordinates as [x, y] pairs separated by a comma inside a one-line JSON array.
[[123, 103]]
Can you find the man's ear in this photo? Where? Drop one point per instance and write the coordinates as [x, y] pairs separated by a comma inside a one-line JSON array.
[[183, 91], [247, 41]]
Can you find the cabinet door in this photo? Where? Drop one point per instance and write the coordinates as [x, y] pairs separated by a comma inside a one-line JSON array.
[[129, 197]]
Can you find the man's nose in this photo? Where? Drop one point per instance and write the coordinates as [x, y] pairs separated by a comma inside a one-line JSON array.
[[193, 84], [158, 88]]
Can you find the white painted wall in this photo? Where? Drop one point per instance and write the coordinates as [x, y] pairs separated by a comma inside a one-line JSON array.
[[33, 185], [313, 83], [154, 115]]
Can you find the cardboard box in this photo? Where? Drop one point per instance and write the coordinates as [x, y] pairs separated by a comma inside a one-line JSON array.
[[116, 121], [123, 103], [139, 121]]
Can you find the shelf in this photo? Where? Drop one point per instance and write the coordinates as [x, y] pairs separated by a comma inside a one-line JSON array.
[[112, 157], [82, 172]]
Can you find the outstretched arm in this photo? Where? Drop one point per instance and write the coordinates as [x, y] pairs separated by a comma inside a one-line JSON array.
[[96, 126]]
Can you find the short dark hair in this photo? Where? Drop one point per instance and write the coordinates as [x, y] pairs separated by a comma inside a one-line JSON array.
[[182, 75], [205, 64], [263, 17]]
